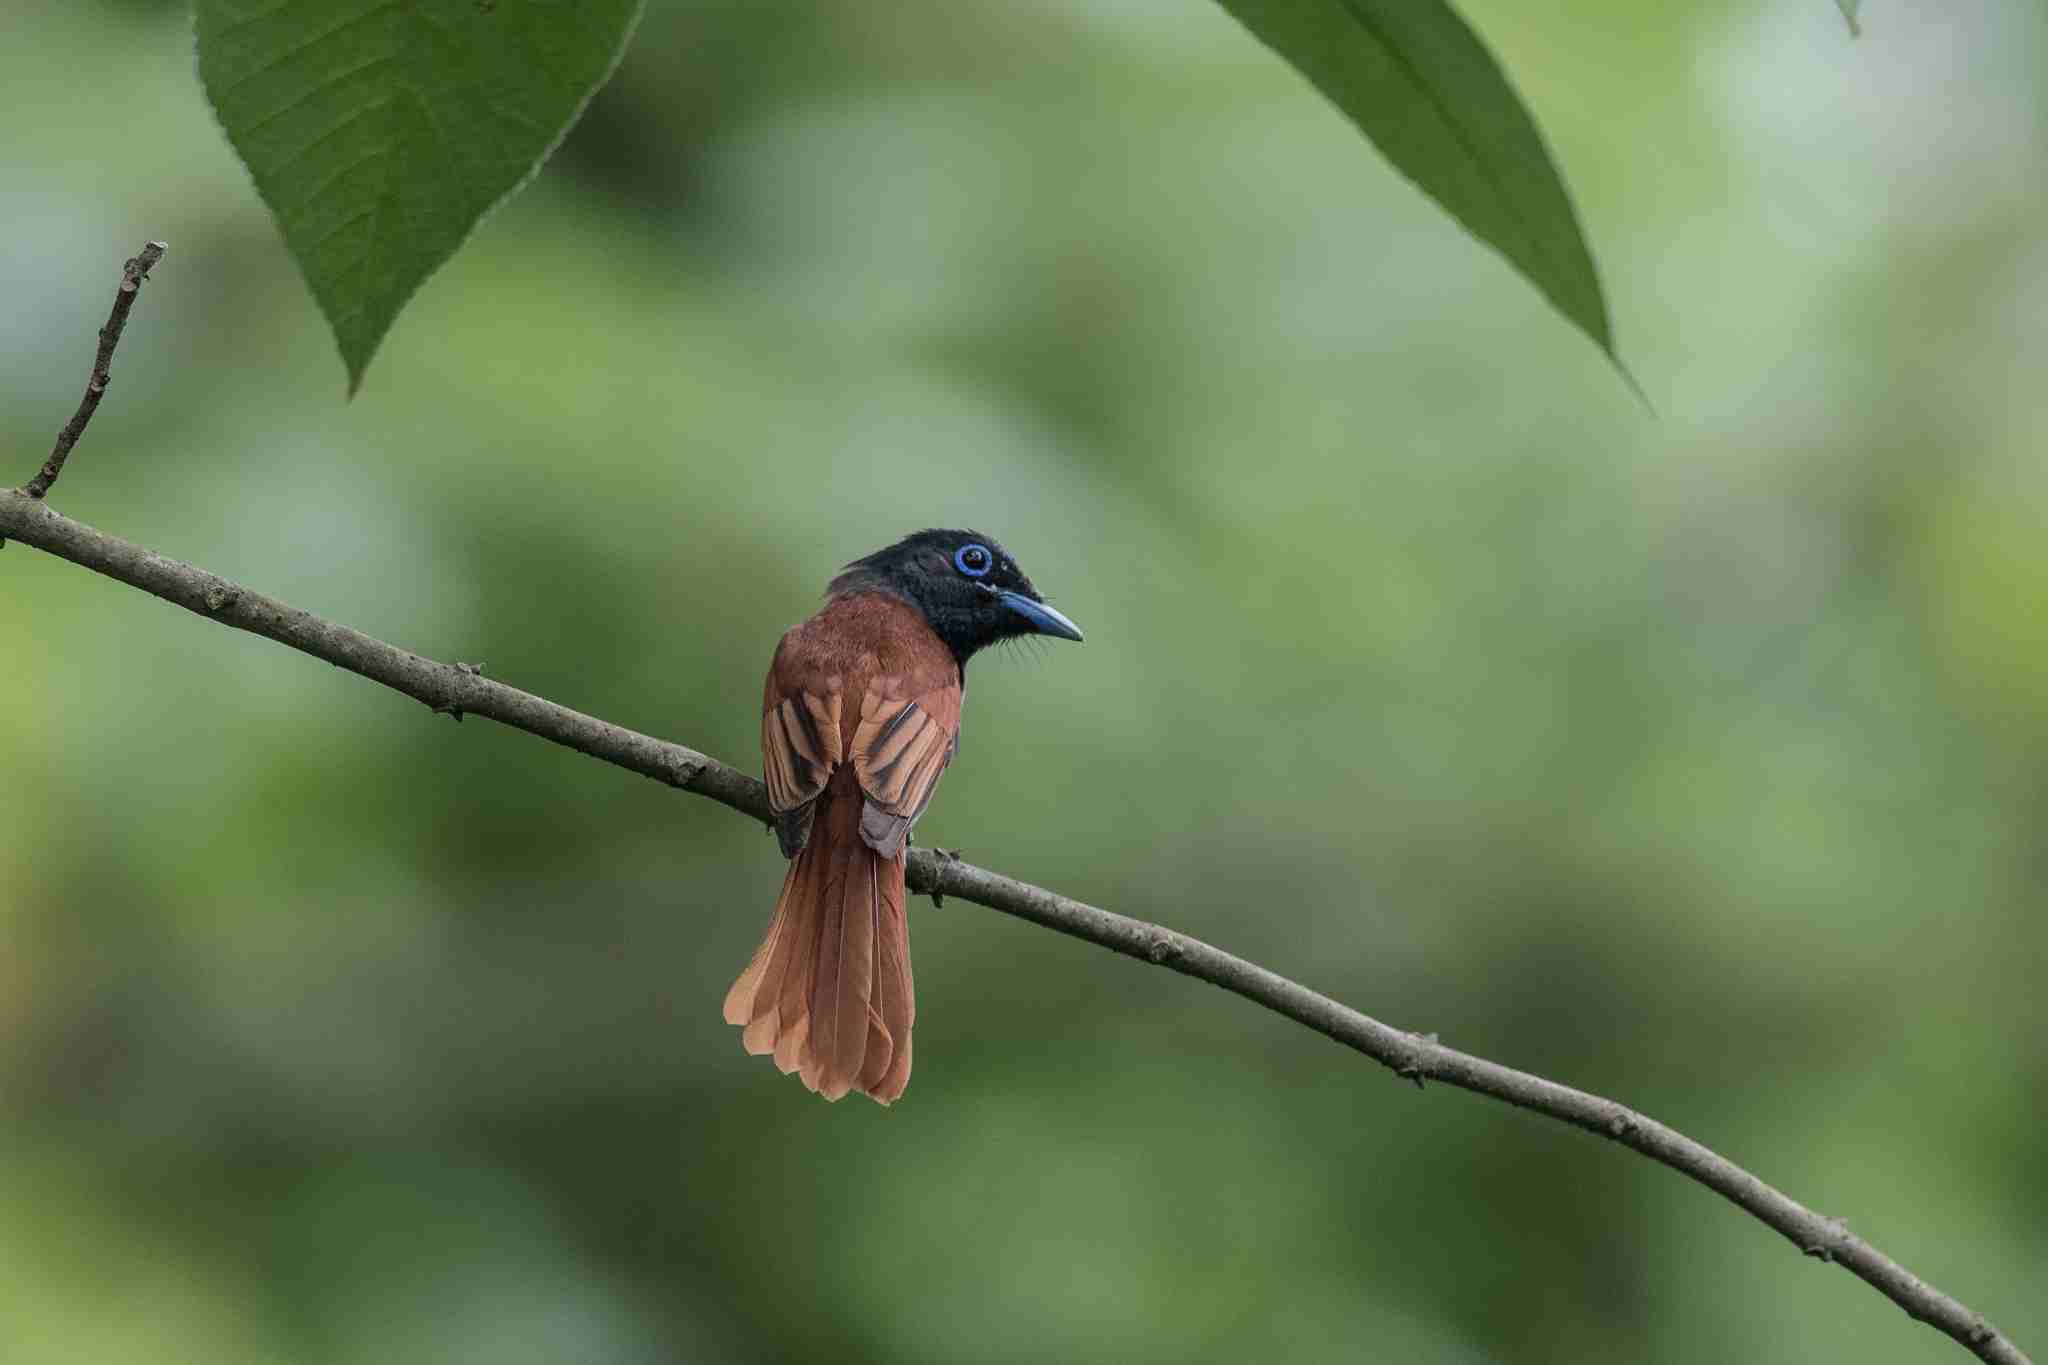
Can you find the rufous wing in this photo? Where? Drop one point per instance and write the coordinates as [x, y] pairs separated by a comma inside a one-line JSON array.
[[799, 747], [901, 746]]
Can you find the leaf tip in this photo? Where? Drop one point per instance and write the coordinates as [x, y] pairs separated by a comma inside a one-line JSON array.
[[1628, 377], [357, 362]]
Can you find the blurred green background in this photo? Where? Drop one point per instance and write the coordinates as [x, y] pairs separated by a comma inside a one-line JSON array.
[[1698, 758]]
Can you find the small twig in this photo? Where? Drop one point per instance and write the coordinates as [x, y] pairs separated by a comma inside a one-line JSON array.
[[133, 273]]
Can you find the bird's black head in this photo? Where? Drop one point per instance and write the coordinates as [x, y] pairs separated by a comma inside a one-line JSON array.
[[967, 586]]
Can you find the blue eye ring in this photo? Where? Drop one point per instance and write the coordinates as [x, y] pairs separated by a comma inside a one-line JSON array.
[[973, 560]]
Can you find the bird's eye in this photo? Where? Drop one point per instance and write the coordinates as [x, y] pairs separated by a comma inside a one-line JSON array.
[[972, 560]]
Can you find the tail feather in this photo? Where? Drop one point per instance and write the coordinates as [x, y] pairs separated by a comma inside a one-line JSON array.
[[789, 1008], [782, 948], [881, 1051], [894, 993], [828, 993], [788, 1005], [846, 969], [739, 1001]]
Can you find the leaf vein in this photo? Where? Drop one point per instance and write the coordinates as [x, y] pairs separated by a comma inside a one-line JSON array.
[[343, 226], [322, 88], [301, 48], [347, 121], [306, 200]]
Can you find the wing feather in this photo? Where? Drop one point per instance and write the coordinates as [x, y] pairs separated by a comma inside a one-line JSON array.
[[799, 747], [899, 751]]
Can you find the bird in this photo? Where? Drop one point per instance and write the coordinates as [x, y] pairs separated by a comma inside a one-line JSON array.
[[860, 716]]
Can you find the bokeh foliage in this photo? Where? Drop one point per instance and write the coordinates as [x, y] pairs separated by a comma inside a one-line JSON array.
[[1701, 761]]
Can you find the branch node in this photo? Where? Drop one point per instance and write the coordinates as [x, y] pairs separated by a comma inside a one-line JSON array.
[[1163, 949], [682, 772], [1824, 1250], [947, 855], [219, 596], [1415, 1067], [452, 708], [1621, 1125]]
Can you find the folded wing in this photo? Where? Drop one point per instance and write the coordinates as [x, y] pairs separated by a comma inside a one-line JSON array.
[[900, 749], [799, 749]]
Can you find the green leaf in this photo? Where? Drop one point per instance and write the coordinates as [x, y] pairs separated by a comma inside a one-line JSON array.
[[1849, 9], [1418, 82], [381, 131]]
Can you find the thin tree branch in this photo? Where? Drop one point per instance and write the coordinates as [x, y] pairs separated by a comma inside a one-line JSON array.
[[459, 689], [133, 273]]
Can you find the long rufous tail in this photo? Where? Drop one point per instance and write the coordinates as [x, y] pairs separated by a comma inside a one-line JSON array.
[[828, 992]]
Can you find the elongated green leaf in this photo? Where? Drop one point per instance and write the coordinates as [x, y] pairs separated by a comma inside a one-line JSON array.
[[1849, 10], [1418, 82], [381, 131]]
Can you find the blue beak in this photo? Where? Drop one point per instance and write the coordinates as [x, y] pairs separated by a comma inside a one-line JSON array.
[[1044, 620]]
